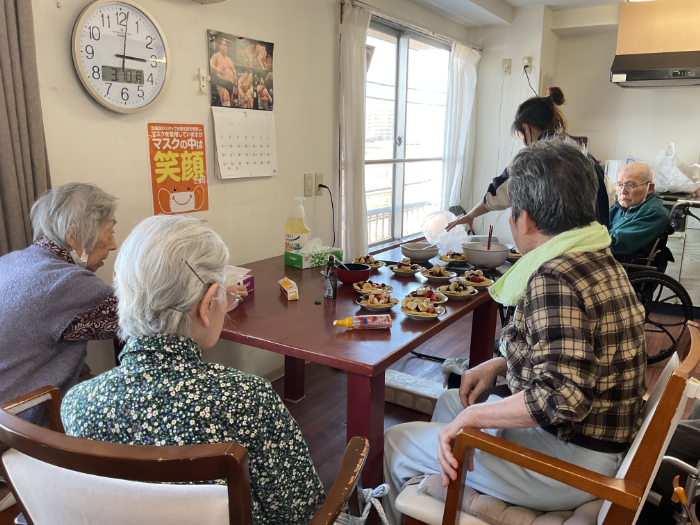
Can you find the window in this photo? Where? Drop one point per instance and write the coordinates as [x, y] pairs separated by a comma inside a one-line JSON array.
[[404, 130]]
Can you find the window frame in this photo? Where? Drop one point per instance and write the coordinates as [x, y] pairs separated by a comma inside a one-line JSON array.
[[398, 161]]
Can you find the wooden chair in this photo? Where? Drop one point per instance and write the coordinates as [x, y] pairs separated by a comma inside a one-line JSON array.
[[59, 479], [624, 494]]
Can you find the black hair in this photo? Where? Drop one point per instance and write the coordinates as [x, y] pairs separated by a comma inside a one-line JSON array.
[[542, 113]]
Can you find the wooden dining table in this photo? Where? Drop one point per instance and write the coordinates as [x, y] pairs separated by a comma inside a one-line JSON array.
[[303, 330]]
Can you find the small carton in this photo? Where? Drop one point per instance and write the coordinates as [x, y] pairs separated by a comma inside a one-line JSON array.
[[289, 288], [239, 276]]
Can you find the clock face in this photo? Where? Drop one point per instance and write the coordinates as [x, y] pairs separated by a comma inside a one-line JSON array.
[[120, 55]]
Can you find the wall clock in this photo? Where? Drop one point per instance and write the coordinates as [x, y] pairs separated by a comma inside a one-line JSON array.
[[121, 55]]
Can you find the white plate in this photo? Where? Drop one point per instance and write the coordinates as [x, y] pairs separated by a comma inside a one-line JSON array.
[[455, 297], [375, 308], [418, 317], [386, 289], [431, 277], [404, 273], [444, 297]]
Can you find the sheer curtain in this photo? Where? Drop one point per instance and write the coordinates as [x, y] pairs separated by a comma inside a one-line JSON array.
[[24, 167], [353, 73], [458, 111]]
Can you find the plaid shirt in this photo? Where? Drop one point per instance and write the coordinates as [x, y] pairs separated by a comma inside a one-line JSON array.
[[576, 346]]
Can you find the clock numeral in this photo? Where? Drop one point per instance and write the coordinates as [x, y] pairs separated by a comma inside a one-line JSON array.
[[150, 78], [103, 21], [153, 62], [137, 26], [149, 41], [109, 86], [95, 72], [94, 32], [122, 17], [90, 51], [140, 91], [125, 94]]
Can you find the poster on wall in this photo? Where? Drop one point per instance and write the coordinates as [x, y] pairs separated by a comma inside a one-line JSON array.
[[246, 144], [241, 72], [178, 168]]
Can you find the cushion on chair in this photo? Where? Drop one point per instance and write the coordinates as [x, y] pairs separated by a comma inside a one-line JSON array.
[[56, 496], [480, 509]]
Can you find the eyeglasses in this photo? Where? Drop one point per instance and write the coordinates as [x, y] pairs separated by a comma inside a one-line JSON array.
[[629, 186], [232, 298]]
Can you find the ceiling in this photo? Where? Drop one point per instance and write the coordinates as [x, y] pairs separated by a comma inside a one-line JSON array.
[[488, 12]]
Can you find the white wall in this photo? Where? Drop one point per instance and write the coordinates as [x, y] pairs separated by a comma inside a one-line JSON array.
[[496, 95], [89, 143], [624, 121]]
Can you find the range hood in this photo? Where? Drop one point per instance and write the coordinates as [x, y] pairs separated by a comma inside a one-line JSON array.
[[658, 44]]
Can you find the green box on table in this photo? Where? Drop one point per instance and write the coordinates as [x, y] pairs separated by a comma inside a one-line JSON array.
[[311, 260]]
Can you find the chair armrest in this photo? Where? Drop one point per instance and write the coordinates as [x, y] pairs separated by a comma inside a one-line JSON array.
[[49, 395], [618, 491], [346, 485]]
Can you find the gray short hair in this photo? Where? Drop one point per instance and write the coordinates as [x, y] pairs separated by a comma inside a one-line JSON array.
[[644, 170], [555, 184], [77, 208], [155, 288]]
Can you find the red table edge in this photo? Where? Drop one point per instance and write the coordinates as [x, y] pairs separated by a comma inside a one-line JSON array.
[[347, 365]]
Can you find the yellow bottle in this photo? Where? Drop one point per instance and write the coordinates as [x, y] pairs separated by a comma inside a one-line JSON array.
[[368, 322], [296, 233]]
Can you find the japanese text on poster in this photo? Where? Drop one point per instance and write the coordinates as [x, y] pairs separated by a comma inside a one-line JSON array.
[[178, 168]]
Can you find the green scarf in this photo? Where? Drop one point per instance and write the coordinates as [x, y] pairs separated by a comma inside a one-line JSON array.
[[509, 288]]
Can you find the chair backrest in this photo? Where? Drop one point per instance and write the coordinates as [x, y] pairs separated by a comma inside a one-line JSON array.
[[62, 479], [660, 417]]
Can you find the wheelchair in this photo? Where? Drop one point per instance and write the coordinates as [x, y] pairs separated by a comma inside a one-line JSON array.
[[663, 297]]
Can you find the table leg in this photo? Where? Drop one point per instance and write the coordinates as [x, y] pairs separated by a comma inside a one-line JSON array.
[[483, 333], [365, 403], [293, 379]]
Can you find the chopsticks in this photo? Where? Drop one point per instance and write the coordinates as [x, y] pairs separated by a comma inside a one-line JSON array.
[[488, 247]]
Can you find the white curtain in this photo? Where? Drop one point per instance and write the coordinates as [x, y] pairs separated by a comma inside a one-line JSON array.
[[353, 73], [461, 87]]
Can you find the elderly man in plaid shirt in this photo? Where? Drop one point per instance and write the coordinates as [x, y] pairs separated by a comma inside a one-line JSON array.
[[573, 356]]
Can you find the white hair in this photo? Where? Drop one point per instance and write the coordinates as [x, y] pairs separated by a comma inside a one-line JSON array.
[[77, 208], [155, 287], [643, 169]]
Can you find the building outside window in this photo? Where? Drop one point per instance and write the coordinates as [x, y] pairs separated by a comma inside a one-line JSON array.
[[405, 123]]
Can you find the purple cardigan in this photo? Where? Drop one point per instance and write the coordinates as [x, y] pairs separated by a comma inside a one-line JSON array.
[[40, 295]]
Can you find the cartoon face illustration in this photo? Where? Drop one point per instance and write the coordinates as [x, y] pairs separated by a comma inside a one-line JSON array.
[[181, 201]]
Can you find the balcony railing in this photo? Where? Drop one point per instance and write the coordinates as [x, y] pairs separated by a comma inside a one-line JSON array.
[[379, 221]]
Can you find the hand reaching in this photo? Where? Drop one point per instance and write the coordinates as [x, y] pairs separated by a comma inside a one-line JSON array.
[[463, 220]]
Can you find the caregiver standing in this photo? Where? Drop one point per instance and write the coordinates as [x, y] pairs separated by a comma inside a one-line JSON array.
[[539, 118]]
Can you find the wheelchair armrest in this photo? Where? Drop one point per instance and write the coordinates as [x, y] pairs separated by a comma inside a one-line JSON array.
[[49, 395], [618, 491]]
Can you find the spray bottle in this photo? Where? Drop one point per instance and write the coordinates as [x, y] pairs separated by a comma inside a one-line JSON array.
[[296, 232]]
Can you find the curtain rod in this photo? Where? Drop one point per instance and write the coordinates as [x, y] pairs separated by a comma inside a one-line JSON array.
[[407, 25]]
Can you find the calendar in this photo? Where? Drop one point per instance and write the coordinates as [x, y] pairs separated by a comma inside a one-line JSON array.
[[245, 143]]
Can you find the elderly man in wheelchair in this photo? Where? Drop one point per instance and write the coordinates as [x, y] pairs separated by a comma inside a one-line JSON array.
[[639, 230]]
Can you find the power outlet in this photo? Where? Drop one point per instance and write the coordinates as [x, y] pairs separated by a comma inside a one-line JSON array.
[[308, 184], [505, 68], [319, 180], [527, 65]]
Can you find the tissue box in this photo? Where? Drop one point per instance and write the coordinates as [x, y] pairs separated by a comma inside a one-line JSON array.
[[310, 260]]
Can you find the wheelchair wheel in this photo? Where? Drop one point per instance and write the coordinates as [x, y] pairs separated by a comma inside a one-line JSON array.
[[663, 299]]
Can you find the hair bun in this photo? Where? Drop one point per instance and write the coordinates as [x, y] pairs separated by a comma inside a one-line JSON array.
[[557, 95]]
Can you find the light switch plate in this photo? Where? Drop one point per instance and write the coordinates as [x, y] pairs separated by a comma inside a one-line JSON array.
[[317, 181], [308, 184], [505, 67]]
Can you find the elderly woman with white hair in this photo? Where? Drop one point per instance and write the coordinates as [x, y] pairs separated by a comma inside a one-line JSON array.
[[169, 279], [52, 301]]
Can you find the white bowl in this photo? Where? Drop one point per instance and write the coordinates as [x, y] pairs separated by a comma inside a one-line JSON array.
[[419, 251], [477, 254]]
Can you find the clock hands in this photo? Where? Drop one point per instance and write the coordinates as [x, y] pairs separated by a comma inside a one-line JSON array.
[[126, 30], [123, 57]]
